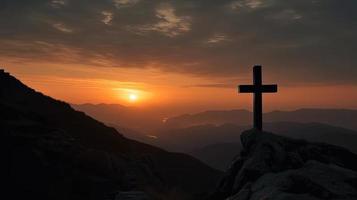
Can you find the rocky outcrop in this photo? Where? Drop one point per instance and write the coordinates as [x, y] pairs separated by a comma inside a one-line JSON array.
[[276, 167]]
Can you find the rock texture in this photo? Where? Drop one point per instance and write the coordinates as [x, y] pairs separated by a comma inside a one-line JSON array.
[[279, 168]]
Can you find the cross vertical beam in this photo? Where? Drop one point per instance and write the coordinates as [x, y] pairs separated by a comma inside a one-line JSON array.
[[258, 101], [258, 88]]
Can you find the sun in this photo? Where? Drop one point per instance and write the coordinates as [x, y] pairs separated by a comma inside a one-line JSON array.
[[133, 97]]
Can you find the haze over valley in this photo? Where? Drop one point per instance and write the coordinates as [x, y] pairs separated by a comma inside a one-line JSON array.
[[214, 136]]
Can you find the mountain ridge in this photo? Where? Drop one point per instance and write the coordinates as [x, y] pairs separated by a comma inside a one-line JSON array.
[[334, 116], [44, 139], [337, 117]]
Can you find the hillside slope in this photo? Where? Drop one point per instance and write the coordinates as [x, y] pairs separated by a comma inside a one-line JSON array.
[[54, 152]]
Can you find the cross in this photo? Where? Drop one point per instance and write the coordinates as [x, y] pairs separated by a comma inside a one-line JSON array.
[[257, 88]]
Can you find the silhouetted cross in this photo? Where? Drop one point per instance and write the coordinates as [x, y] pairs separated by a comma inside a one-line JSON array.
[[257, 88]]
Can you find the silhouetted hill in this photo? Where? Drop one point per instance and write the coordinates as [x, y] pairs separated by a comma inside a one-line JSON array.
[[207, 142], [218, 155], [51, 151], [336, 117], [195, 137], [316, 132], [135, 135], [346, 118], [276, 167]]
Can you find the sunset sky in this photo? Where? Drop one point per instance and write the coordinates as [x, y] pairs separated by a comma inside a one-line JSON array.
[[183, 55]]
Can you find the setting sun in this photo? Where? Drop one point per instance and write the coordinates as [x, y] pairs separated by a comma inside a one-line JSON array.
[[133, 97], [129, 95]]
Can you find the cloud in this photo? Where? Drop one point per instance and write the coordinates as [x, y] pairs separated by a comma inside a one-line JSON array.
[[171, 24], [168, 23], [62, 27], [254, 3], [125, 3], [217, 38], [251, 4], [107, 17], [58, 3], [214, 85], [310, 41], [287, 15]]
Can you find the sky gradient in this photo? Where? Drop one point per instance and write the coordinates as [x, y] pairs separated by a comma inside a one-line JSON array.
[[183, 54]]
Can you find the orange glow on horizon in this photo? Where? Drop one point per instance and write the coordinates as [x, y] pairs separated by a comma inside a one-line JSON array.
[[174, 92]]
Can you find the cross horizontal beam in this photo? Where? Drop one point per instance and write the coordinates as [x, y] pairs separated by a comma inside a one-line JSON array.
[[258, 88]]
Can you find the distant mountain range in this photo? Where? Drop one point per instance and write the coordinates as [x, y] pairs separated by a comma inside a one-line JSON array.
[[214, 136], [153, 124], [51, 151], [241, 117], [217, 145], [346, 118]]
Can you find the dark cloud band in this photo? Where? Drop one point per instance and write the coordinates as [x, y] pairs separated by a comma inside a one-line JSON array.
[[307, 41]]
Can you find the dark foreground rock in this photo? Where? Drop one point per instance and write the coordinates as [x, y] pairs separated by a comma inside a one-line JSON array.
[[279, 168]]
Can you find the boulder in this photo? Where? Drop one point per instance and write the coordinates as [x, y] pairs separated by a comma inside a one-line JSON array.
[[276, 167]]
